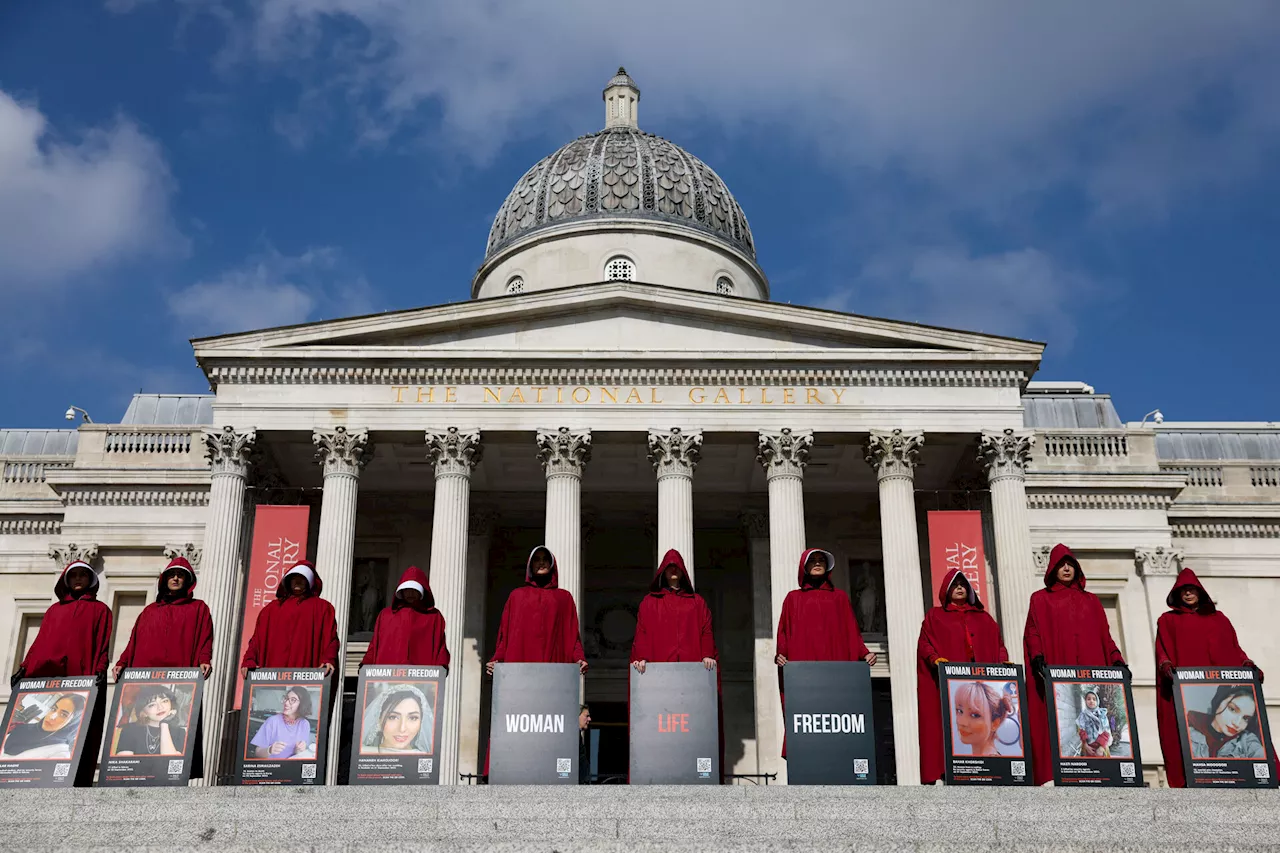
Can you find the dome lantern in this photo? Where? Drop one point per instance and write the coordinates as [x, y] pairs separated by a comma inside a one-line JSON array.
[[621, 101]]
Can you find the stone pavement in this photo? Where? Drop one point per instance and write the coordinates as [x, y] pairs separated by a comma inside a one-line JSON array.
[[640, 819]]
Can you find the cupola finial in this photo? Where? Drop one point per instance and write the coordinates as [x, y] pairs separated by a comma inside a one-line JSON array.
[[621, 100]]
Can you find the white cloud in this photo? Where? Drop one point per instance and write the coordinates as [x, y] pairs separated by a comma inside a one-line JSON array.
[[272, 289], [67, 208]]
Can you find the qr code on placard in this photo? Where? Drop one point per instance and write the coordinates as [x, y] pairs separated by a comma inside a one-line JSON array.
[[308, 771], [1262, 771], [704, 765], [1018, 768], [175, 765], [861, 765], [424, 765], [1127, 770], [61, 770], [564, 765]]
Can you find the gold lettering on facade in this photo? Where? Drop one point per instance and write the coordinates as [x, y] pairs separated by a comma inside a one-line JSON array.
[[586, 392], [538, 389], [653, 396], [616, 394], [517, 396], [431, 394], [697, 396], [400, 389], [634, 396], [490, 393], [811, 396], [451, 394], [742, 396], [789, 396], [612, 394], [764, 397], [719, 394], [559, 395], [837, 393]]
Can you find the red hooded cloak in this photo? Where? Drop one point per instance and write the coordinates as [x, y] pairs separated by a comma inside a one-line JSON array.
[[1066, 626], [409, 634], [171, 631], [298, 631], [1186, 637], [539, 623], [673, 626], [75, 633], [964, 633]]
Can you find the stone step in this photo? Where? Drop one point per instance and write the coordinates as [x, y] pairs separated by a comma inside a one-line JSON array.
[[638, 819]]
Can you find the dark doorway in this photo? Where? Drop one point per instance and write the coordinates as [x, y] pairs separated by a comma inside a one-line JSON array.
[[610, 743]]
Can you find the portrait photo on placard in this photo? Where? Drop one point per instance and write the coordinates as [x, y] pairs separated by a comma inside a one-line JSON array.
[[1222, 721], [283, 722], [46, 724], [398, 718], [153, 719], [1093, 720], [985, 718]]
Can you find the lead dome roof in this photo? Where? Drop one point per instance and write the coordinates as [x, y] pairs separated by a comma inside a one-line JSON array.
[[621, 173]]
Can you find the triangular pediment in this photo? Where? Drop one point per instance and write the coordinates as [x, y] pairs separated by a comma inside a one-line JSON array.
[[609, 320]]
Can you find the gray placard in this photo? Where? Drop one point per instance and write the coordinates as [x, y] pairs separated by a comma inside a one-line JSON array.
[[830, 730], [675, 731], [534, 726]]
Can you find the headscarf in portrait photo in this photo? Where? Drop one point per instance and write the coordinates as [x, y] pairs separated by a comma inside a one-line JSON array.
[[375, 715], [34, 736]]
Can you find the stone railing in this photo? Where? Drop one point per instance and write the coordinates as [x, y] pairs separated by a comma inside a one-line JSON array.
[[29, 470], [1094, 450], [1113, 444], [1228, 479], [148, 441], [120, 446], [1265, 476]]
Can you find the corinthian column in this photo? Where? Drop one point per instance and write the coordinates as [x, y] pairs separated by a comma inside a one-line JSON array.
[[892, 454], [343, 453], [1006, 455], [675, 453], [228, 453], [564, 453], [783, 454], [455, 454]]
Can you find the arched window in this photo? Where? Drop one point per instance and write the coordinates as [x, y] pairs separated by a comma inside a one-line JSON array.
[[516, 285], [620, 269], [724, 286]]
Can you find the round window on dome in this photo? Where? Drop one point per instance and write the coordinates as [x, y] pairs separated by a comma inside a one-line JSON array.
[[620, 269], [516, 285], [724, 286]]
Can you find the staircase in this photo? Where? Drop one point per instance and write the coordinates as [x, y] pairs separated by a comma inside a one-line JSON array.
[[638, 819]]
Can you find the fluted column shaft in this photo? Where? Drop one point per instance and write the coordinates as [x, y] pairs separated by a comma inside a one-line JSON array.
[[784, 454], [228, 453], [455, 453], [768, 706], [892, 454], [343, 453], [1006, 455], [469, 664], [564, 453], [675, 453]]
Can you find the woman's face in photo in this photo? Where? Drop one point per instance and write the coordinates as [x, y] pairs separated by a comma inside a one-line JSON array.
[[290, 705], [1090, 701], [58, 715], [1234, 715], [402, 725], [973, 718], [157, 709]]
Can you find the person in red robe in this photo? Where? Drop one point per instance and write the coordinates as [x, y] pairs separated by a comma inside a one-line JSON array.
[[75, 633], [958, 629], [817, 621], [411, 630], [1066, 626], [298, 629], [540, 620], [1194, 632], [175, 630], [674, 623]]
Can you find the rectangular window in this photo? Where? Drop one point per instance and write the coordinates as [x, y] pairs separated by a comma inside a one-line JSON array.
[[128, 606], [27, 630], [1111, 606]]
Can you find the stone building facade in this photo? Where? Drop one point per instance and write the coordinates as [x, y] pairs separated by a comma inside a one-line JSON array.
[[620, 384]]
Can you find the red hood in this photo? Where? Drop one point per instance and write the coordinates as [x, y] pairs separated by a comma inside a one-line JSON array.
[[1186, 577], [947, 583], [189, 592], [282, 591], [831, 567], [1062, 554], [63, 592], [413, 573], [554, 583], [659, 584]]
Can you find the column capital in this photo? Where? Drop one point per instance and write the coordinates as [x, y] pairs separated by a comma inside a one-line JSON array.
[[1157, 561], [1041, 557], [756, 524], [188, 552], [454, 451], [894, 452], [228, 451], [675, 451], [65, 554], [342, 451], [783, 452], [564, 451], [1006, 453]]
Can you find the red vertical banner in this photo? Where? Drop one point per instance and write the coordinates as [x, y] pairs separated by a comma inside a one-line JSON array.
[[279, 541], [955, 542]]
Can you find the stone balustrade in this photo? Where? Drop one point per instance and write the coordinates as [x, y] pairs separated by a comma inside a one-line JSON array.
[[1225, 479], [116, 445], [1094, 450]]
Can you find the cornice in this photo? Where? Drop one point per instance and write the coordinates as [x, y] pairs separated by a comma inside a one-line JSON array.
[[1223, 529], [70, 478], [175, 497], [1099, 500], [30, 526]]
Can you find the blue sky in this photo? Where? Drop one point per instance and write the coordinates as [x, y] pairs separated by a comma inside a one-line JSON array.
[[1099, 176]]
